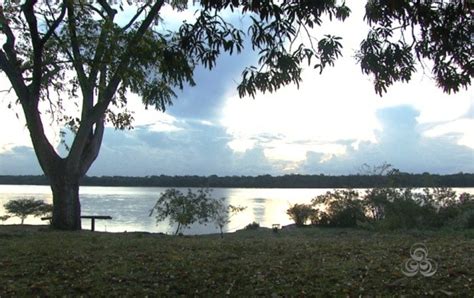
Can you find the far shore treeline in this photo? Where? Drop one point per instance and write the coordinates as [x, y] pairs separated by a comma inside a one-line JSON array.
[[266, 181]]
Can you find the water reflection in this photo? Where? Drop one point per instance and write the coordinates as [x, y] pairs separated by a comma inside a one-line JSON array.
[[130, 206], [258, 209]]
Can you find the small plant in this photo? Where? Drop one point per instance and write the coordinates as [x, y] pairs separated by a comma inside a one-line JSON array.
[[4, 218], [24, 207], [275, 228], [184, 209], [301, 213], [222, 213], [252, 226]]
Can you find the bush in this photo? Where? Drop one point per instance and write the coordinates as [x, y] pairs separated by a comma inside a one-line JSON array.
[[402, 213], [252, 226], [184, 209], [433, 208], [301, 213], [343, 208], [321, 219], [24, 207], [465, 213], [222, 212]]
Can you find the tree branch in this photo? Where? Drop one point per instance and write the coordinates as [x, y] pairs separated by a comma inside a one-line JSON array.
[[77, 61], [108, 9], [9, 45], [102, 105], [14, 76], [93, 147], [97, 112], [135, 17], [28, 11], [54, 25]]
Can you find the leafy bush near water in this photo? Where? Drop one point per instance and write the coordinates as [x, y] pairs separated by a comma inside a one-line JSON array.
[[186, 209], [389, 208], [22, 208], [301, 213]]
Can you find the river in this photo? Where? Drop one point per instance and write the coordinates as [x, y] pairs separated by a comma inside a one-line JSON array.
[[129, 207]]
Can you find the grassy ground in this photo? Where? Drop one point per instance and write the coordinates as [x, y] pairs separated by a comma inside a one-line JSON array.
[[300, 262]]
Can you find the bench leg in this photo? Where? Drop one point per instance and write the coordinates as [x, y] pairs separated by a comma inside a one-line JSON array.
[[92, 224]]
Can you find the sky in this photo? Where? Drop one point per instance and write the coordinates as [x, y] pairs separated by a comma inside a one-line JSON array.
[[332, 124]]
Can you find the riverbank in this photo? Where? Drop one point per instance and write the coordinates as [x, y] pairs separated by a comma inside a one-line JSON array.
[[35, 260]]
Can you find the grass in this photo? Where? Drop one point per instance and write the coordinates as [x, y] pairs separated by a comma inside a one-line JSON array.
[[36, 261]]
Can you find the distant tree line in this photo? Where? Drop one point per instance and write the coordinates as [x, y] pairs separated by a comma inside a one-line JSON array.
[[396, 179]]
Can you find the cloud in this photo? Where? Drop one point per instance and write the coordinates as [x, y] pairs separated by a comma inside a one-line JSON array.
[[19, 160], [401, 143], [196, 149]]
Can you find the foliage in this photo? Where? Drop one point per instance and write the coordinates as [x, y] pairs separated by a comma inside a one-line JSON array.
[[463, 217], [22, 208], [252, 226], [392, 209], [376, 200], [298, 262], [4, 217], [405, 31], [184, 210], [222, 213], [432, 208], [403, 212], [301, 213], [343, 207]]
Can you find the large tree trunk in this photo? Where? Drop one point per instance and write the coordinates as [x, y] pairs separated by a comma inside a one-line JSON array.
[[66, 204]]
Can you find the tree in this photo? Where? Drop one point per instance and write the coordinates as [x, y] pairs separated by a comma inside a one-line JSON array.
[[184, 209], [223, 212], [82, 51], [24, 207]]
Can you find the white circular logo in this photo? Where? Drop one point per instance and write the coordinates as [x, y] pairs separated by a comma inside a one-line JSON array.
[[419, 262]]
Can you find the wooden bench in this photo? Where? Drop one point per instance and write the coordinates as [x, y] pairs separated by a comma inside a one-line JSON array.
[[91, 217]]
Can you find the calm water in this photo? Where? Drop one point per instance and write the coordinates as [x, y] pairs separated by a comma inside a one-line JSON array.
[[130, 206]]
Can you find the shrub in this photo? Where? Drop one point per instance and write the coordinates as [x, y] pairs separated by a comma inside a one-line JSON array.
[[301, 213], [222, 212], [24, 207], [184, 209], [252, 226], [343, 208], [433, 208], [402, 213], [376, 201]]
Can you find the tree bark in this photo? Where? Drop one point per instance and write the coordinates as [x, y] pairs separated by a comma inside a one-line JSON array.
[[66, 204]]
